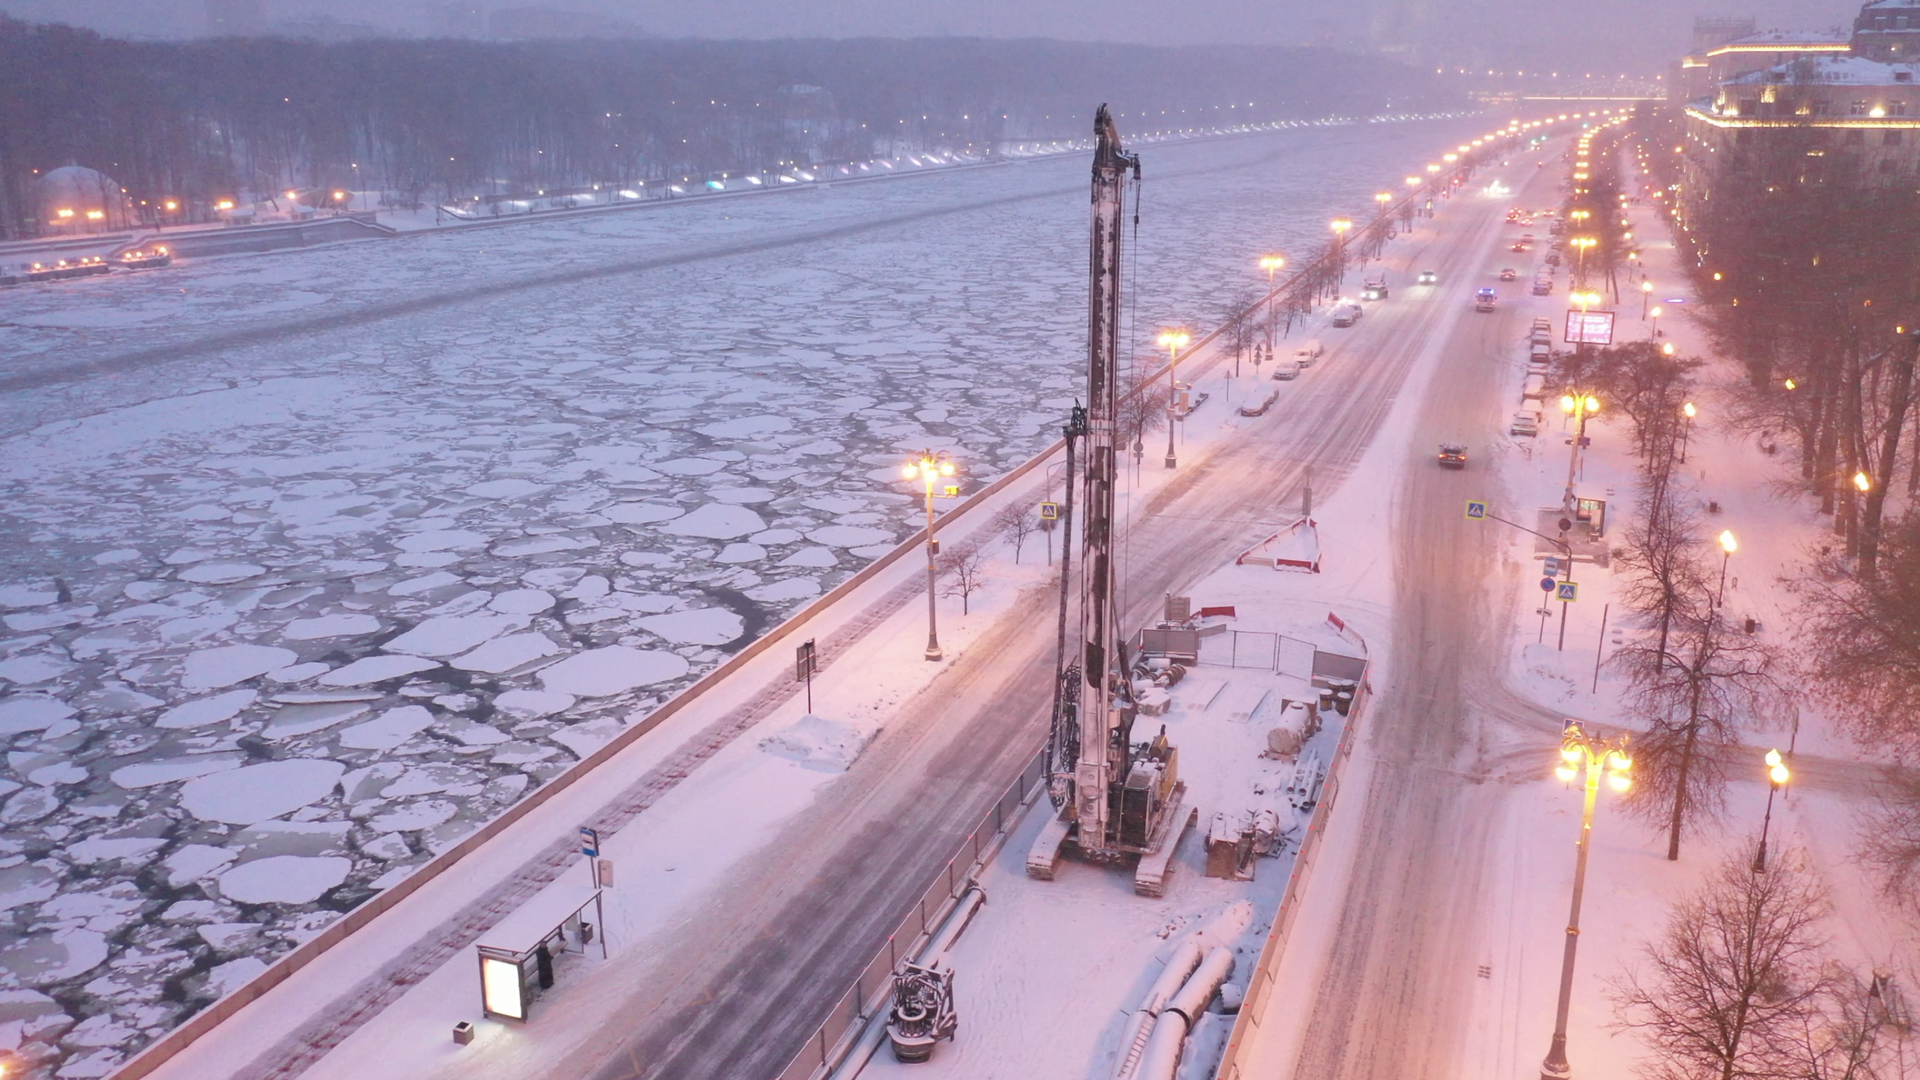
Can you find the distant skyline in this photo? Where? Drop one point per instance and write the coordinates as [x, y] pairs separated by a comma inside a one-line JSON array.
[[1614, 36]]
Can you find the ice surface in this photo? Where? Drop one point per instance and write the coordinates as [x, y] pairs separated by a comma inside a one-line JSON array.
[[611, 670], [389, 729], [225, 665], [284, 879], [29, 713], [258, 792], [377, 669], [716, 521], [203, 711], [452, 634], [327, 626]]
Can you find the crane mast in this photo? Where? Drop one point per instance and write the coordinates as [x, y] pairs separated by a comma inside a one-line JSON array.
[[1106, 706], [1114, 797]]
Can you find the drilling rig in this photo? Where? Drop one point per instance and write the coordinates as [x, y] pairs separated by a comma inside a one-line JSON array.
[[1115, 798]]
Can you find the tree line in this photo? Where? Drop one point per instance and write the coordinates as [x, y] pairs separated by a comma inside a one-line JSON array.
[[202, 121]]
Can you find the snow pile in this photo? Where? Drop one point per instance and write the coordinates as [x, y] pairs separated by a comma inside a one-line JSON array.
[[819, 743]]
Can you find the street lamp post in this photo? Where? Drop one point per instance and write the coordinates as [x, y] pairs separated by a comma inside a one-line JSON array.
[[1777, 777], [1687, 410], [1579, 406], [1646, 294], [1653, 331], [930, 466], [1340, 226], [1728, 545], [1595, 756], [1173, 341], [1271, 264]]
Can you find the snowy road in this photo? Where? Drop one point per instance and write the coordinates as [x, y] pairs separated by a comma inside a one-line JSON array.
[[735, 998], [310, 562]]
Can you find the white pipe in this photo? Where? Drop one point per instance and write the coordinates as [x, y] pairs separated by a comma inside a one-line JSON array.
[[1141, 1024], [1192, 999], [953, 926], [1160, 1059]]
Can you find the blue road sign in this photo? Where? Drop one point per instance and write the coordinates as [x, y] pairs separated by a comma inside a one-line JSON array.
[[589, 842], [1569, 591], [1476, 509], [1546, 584], [1550, 566]]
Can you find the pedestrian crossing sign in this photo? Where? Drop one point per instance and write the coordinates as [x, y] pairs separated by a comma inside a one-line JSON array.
[[1476, 510], [1569, 591]]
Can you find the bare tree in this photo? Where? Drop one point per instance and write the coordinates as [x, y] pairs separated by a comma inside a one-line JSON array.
[[1855, 1034], [1018, 521], [1140, 414], [1729, 988], [1695, 694], [1890, 838], [1662, 575], [968, 575], [1862, 637]]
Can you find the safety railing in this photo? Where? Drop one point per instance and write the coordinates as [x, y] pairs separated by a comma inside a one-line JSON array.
[[1260, 985], [872, 991]]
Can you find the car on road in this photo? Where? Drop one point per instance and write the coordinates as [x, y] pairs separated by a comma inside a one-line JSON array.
[[1484, 299], [1375, 288], [1346, 314], [1519, 247], [1286, 370], [1524, 423], [1428, 277], [1509, 274], [1453, 456]]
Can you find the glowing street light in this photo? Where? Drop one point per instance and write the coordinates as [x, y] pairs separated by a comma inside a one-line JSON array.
[[1594, 756], [1862, 482], [931, 466], [1272, 264], [1579, 406], [1728, 545], [1777, 776], [1172, 341], [1646, 294], [1687, 410]]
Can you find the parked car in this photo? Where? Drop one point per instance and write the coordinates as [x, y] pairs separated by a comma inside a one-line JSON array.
[[1524, 423], [1346, 314], [1509, 274], [1428, 277], [1286, 370], [1453, 456], [1307, 352], [1542, 286]]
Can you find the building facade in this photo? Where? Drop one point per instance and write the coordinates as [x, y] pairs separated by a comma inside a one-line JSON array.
[[1808, 109]]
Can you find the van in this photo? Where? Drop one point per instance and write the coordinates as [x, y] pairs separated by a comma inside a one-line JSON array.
[[1286, 370], [1484, 299]]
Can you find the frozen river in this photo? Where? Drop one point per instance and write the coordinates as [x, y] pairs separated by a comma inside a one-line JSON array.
[[310, 562]]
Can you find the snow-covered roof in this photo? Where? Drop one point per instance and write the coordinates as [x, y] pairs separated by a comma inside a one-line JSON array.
[[1886, 5], [1833, 70], [1782, 40]]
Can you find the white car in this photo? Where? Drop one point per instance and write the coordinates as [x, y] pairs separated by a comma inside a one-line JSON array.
[[1346, 315], [1286, 370], [1524, 423]]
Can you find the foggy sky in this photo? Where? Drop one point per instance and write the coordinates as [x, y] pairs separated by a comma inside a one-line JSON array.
[[1637, 36]]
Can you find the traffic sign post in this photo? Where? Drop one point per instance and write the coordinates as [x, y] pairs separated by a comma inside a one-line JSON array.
[[1476, 510], [590, 847], [1569, 592], [805, 659]]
